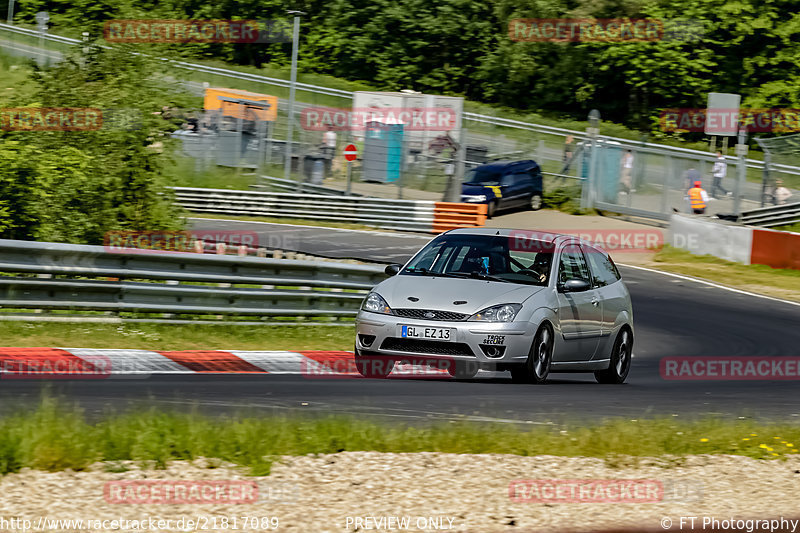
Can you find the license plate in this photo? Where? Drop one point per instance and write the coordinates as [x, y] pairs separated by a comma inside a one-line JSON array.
[[421, 332]]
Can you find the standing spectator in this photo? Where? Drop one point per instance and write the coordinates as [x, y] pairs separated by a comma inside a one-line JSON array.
[[698, 199], [569, 148], [718, 172], [781, 193], [329, 139], [627, 172]]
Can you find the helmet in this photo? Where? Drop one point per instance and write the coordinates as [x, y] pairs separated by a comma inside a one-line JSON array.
[[697, 184]]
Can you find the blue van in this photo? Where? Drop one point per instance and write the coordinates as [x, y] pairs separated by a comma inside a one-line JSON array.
[[504, 185]]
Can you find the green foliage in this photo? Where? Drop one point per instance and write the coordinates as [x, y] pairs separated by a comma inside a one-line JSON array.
[[463, 47], [73, 186]]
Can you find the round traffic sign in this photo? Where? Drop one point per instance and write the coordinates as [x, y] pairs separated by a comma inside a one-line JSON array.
[[350, 152]]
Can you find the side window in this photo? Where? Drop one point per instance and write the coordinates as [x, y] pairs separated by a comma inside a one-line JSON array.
[[508, 179], [572, 265], [521, 179], [604, 272]]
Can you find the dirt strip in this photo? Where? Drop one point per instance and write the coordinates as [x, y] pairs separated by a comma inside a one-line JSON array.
[[372, 491]]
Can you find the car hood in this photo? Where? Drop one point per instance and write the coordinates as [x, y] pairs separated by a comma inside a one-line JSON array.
[[439, 293], [490, 192]]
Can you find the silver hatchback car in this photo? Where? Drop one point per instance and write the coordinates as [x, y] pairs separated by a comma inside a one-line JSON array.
[[523, 301]]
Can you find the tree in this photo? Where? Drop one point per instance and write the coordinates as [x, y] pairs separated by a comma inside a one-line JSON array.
[[76, 185]]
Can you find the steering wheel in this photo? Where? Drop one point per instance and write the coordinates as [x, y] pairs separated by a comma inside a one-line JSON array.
[[535, 273]]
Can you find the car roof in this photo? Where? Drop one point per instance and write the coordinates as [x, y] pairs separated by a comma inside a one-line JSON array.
[[505, 164], [542, 235]]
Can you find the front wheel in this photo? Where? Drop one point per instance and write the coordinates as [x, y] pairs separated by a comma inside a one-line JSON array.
[[536, 202], [371, 366], [537, 367], [620, 363]]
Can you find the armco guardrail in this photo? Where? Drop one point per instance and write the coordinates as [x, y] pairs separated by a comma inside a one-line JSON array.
[[776, 215], [82, 278], [405, 215], [282, 184], [474, 117]]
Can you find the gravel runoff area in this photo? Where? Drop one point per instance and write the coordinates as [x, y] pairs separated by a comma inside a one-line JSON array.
[[432, 491]]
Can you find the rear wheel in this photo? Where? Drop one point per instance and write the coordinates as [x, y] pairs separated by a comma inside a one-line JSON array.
[[620, 363], [536, 202], [463, 369], [537, 367], [372, 366]]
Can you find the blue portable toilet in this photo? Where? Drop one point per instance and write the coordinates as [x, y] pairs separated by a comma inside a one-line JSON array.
[[383, 152], [609, 170]]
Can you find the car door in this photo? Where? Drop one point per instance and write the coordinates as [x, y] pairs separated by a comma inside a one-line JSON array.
[[580, 314], [514, 187], [613, 295]]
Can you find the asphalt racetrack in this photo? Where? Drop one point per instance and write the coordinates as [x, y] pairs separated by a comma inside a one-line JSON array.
[[672, 316]]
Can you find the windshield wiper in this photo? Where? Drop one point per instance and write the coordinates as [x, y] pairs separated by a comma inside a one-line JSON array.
[[487, 277]]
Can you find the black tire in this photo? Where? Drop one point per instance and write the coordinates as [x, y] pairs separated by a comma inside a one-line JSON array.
[[463, 369], [620, 364], [535, 202], [491, 209], [372, 366], [537, 367]]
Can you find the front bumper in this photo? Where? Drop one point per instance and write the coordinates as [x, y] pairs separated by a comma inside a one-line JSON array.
[[469, 341]]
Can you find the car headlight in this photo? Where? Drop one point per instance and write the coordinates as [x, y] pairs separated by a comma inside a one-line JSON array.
[[473, 197], [375, 303], [497, 313]]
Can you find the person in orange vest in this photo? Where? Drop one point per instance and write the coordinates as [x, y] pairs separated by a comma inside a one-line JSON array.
[[698, 198]]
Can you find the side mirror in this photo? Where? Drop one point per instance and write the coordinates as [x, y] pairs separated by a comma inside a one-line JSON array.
[[392, 270], [576, 285]]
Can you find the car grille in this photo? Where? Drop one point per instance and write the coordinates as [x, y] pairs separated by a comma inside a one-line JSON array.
[[438, 315], [395, 344]]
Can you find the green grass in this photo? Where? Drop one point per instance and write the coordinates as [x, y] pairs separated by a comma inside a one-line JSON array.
[[55, 436], [791, 227], [147, 336], [782, 283]]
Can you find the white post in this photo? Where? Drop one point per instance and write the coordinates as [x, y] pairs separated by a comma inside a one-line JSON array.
[[287, 164]]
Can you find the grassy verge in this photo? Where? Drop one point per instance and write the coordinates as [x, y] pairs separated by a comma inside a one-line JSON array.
[[176, 336], [780, 283], [53, 437]]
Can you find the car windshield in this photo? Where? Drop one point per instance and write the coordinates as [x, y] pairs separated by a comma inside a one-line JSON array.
[[492, 257], [478, 176]]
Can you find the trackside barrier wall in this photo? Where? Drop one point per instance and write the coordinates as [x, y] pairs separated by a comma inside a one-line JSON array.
[[778, 249], [405, 215], [742, 244], [91, 278], [703, 237]]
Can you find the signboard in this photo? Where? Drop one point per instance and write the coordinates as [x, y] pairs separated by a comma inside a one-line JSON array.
[[350, 152], [722, 114]]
